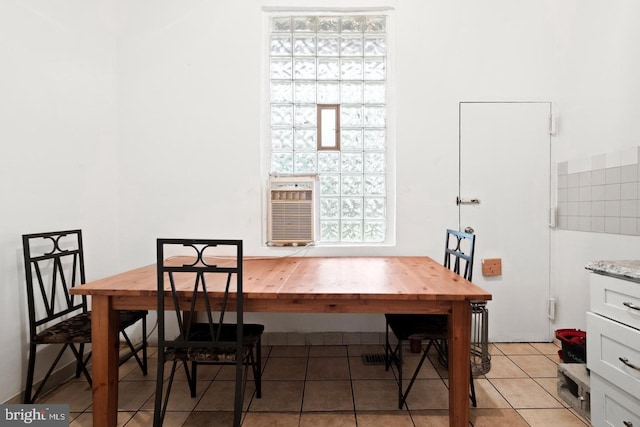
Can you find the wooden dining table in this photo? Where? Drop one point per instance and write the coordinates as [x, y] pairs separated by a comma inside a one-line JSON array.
[[384, 284]]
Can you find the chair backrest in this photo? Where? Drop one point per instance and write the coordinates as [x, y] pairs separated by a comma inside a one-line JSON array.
[[195, 268], [53, 263], [459, 252]]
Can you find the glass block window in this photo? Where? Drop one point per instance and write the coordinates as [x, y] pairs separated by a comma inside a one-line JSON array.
[[333, 60]]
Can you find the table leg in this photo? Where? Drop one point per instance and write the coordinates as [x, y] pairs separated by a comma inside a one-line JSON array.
[[104, 335], [459, 363]]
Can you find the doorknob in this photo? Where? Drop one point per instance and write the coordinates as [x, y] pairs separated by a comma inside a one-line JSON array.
[[460, 201]]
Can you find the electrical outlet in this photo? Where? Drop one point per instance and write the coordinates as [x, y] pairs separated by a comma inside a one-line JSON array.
[[492, 267]]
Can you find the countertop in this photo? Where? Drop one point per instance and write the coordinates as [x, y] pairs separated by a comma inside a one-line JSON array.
[[626, 269]]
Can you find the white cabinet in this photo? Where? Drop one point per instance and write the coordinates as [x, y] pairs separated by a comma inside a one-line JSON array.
[[613, 351]]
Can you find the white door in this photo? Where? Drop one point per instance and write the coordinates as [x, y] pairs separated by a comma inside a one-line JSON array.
[[505, 165]]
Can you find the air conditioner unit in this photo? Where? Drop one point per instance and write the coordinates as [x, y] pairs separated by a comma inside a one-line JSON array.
[[292, 210]]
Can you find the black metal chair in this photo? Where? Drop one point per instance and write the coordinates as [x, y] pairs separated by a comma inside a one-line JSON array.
[[212, 341], [432, 328], [54, 263]]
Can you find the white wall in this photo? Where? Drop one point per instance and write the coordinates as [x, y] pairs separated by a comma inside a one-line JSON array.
[[57, 148], [155, 107]]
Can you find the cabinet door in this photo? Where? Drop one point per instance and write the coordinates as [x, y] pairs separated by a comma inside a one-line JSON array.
[[616, 299], [611, 406]]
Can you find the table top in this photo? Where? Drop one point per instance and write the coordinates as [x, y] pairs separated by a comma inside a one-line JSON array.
[[370, 278]]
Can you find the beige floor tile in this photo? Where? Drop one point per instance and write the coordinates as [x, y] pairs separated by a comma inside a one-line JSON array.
[[548, 348], [384, 419], [381, 395], [551, 417], [271, 419], [427, 370], [347, 419], [525, 393], [360, 349], [180, 398], [503, 367], [279, 396], [434, 418], [220, 396], [328, 368], [361, 371], [145, 418], [76, 393], [133, 394], [207, 419], [86, 419], [327, 396], [285, 368], [516, 348], [289, 351], [497, 418], [427, 394], [494, 350], [487, 396], [551, 385], [328, 351], [536, 365]]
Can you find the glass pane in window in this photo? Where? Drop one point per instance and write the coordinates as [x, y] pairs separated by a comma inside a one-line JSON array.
[[351, 231], [304, 68], [282, 162], [351, 45], [374, 93], [352, 24], [351, 69], [351, 116], [352, 185], [351, 92], [305, 115], [374, 116], [304, 163], [351, 162], [374, 231], [328, 161], [281, 91], [328, 68], [374, 208], [351, 207], [329, 231], [328, 45], [328, 24], [281, 68], [305, 92], [374, 162], [375, 46], [374, 139], [376, 24], [281, 23], [329, 185], [330, 207], [280, 45], [305, 139], [281, 115], [328, 93], [374, 69], [282, 139], [304, 23], [304, 45], [351, 139], [374, 185]]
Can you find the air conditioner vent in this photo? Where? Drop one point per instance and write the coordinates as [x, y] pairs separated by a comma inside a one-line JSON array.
[[291, 217]]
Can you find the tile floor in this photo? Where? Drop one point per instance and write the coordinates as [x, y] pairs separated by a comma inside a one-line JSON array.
[[330, 386]]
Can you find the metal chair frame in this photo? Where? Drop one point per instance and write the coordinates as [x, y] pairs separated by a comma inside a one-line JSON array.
[[50, 273], [237, 344], [430, 327]]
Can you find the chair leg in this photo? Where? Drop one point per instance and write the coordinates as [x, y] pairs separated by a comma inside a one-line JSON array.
[[241, 366], [403, 396], [30, 370], [399, 365], [257, 372], [193, 377], [473, 388]]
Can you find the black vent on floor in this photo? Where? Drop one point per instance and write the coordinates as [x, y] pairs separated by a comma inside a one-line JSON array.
[[373, 359]]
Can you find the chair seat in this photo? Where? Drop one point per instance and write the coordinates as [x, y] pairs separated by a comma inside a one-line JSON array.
[[418, 326], [200, 332], [77, 329]]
